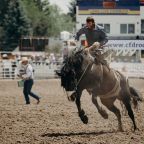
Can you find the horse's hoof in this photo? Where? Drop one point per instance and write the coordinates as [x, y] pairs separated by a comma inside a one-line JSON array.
[[85, 119], [136, 129]]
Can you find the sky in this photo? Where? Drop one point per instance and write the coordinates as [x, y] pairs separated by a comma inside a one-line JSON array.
[[63, 4]]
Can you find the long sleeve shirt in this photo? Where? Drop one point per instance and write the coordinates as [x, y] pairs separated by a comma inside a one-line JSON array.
[[93, 35], [26, 71]]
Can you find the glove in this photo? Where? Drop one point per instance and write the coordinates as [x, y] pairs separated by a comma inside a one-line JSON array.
[[96, 45], [86, 50]]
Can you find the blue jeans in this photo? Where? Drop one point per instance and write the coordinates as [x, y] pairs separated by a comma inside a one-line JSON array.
[[27, 90]]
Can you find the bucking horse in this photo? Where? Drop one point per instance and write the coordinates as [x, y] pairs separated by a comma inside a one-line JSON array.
[[81, 71]]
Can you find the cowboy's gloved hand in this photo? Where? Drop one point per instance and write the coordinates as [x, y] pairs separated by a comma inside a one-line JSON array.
[[86, 49], [96, 45]]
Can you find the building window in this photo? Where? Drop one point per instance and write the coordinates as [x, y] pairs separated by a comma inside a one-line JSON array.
[[107, 28], [131, 28], [123, 28], [127, 28], [142, 26]]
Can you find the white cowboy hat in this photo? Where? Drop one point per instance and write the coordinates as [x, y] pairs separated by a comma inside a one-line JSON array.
[[24, 59], [4, 55]]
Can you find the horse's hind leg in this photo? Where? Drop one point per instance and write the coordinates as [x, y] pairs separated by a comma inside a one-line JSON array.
[[126, 98], [130, 111], [109, 103]]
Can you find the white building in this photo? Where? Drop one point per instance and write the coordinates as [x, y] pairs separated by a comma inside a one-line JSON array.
[[121, 19]]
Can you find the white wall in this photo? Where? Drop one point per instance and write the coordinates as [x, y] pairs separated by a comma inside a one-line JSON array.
[[115, 21]]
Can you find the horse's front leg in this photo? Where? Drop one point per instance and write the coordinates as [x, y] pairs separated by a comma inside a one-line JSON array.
[[81, 112], [100, 109]]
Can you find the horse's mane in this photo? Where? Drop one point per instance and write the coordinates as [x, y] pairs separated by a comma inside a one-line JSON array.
[[75, 59], [74, 66]]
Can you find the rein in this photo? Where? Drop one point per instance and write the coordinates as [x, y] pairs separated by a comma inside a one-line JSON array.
[[82, 75]]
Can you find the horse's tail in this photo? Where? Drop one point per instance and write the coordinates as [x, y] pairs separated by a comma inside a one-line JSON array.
[[136, 96]]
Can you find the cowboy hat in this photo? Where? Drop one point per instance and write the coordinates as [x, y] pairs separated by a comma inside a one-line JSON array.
[[24, 59], [4, 55]]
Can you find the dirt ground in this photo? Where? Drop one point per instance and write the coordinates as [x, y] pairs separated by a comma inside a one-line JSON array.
[[55, 119]]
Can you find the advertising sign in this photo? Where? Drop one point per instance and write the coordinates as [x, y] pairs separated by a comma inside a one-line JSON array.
[[142, 2], [109, 7], [126, 44]]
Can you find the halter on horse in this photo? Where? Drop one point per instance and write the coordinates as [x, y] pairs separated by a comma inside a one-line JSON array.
[[81, 72]]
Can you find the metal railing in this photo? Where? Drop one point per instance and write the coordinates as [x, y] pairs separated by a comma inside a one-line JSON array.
[[41, 70], [44, 70], [132, 70]]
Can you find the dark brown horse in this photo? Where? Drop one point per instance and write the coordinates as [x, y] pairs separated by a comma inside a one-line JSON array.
[[81, 72]]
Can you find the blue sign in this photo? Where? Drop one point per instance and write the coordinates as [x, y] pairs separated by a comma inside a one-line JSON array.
[[109, 7]]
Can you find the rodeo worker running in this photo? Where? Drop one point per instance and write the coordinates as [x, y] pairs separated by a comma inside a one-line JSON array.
[[26, 73]]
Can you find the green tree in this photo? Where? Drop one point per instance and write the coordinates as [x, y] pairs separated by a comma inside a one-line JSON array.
[[30, 17], [41, 28], [46, 19], [53, 21], [13, 23], [58, 21], [38, 18], [67, 23], [72, 10], [42, 4]]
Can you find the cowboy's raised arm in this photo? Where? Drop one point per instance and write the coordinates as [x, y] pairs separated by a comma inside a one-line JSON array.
[[79, 33]]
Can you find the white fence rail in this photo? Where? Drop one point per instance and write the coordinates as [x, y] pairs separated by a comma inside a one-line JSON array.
[[43, 70], [133, 70]]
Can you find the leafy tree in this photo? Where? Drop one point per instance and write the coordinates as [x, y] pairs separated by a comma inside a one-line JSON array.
[[58, 21], [31, 17], [72, 10], [41, 28], [36, 13], [54, 23], [14, 24], [42, 4], [38, 4]]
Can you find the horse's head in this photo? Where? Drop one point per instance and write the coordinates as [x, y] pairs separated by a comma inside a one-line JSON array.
[[70, 71]]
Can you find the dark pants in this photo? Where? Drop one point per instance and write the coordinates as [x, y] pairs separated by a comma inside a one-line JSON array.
[[27, 91]]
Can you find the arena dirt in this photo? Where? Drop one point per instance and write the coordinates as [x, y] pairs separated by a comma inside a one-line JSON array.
[[55, 119]]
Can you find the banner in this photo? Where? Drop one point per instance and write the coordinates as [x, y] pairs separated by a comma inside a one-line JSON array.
[[126, 44], [142, 2], [109, 7]]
